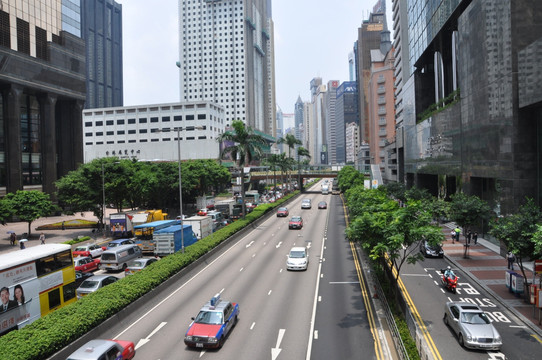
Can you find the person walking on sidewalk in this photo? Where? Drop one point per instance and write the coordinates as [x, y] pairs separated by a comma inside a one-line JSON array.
[[475, 238], [453, 236], [457, 233], [12, 238], [511, 258], [42, 238]]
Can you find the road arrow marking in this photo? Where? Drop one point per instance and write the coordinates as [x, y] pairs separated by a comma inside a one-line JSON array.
[[309, 245], [276, 350], [147, 339], [278, 245], [248, 245]]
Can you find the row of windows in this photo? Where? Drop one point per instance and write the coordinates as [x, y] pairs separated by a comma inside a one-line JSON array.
[[144, 120], [131, 141], [144, 131]]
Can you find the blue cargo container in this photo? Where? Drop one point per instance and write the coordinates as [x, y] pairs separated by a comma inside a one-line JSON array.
[[168, 240]]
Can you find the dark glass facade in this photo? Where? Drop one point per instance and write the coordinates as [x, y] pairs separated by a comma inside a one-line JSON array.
[[486, 140], [101, 28]]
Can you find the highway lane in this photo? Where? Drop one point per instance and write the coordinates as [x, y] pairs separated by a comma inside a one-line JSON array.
[[342, 328], [276, 305], [422, 282]]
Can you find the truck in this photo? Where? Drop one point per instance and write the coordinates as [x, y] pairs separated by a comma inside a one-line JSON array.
[[202, 226], [146, 231], [121, 225], [225, 207], [171, 239], [325, 189], [147, 216]]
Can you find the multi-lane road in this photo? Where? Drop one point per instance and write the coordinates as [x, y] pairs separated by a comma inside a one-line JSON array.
[[315, 314]]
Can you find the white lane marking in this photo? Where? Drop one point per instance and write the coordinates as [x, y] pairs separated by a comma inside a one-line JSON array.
[[183, 285], [249, 244], [315, 302], [142, 342], [241, 269], [279, 244], [280, 270], [252, 326], [436, 283], [221, 291], [319, 298], [276, 350], [202, 353], [518, 326], [315, 334], [270, 291], [321, 275]]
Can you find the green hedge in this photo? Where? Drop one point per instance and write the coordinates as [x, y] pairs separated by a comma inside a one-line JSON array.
[[51, 333]]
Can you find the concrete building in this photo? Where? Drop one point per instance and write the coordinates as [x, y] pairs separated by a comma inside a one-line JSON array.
[[334, 130], [226, 57], [381, 94], [479, 130], [101, 28], [298, 113], [318, 150], [368, 39], [352, 143], [308, 133], [149, 132], [42, 82]]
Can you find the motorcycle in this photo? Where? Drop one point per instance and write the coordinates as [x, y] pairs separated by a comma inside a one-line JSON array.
[[449, 282]]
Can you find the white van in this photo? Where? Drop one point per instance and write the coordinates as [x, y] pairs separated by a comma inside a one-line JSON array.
[[118, 258]]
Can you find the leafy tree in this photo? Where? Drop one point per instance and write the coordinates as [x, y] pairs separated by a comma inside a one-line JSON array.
[[467, 211], [30, 205], [396, 190], [5, 211], [418, 194], [349, 177], [519, 232], [247, 145], [440, 209], [291, 141], [301, 152]]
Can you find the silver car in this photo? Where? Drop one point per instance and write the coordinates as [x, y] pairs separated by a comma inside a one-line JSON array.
[[94, 283], [472, 326], [306, 203]]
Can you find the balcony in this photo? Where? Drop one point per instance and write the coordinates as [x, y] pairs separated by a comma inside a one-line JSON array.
[[381, 101], [382, 112]]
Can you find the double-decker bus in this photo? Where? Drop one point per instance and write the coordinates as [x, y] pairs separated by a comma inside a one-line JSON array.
[[34, 282]]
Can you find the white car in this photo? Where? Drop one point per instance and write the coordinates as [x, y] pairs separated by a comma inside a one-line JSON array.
[[298, 259], [306, 204]]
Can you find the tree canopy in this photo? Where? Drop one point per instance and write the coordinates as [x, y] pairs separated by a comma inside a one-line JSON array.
[[29, 205]]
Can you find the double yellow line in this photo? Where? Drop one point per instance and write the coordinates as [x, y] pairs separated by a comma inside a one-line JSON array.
[[408, 299], [366, 297]]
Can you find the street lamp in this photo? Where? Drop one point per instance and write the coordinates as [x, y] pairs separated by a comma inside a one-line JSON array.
[[179, 129]]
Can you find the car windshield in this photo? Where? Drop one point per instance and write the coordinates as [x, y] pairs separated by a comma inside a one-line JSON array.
[[80, 248], [474, 318], [112, 244], [296, 218], [297, 254], [137, 263], [89, 284], [282, 209], [209, 317]]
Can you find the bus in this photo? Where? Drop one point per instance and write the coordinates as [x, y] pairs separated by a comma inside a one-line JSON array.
[[34, 282]]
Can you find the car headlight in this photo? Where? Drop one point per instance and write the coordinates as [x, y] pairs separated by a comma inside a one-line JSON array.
[[212, 339], [497, 339], [188, 338]]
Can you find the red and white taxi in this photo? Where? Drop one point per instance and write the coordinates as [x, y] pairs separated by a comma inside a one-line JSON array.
[[214, 322], [86, 264]]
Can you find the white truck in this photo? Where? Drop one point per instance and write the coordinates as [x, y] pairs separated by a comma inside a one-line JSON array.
[[325, 189], [202, 226]]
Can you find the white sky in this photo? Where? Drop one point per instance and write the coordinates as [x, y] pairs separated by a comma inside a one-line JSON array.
[[312, 39]]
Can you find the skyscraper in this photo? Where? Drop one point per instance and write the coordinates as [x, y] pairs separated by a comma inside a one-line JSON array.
[[298, 113], [43, 82], [226, 57], [101, 28]]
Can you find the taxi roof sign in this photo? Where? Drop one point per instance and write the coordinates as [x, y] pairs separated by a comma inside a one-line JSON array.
[[215, 300]]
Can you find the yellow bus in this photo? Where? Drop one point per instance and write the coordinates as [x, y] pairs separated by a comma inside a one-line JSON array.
[[34, 282]]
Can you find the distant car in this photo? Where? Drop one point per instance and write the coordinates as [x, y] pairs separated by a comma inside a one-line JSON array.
[[472, 326], [213, 323], [298, 259], [104, 350], [306, 204], [202, 212], [91, 250], [430, 250], [119, 242], [94, 283], [296, 222], [138, 265], [282, 212], [86, 264], [322, 205]]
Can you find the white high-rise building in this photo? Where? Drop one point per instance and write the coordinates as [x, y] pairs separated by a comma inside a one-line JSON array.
[[226, 57]]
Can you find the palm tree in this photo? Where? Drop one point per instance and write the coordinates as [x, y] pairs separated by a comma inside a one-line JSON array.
[[291, 141], [274, 160], [284, 164], [301, 151], [246, 146]]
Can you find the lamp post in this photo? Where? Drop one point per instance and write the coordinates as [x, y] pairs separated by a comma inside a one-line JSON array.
[[103, 197], [180, 187]]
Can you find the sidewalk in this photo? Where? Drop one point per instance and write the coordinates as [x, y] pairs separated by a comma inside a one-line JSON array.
[[51, 236], [487, 267]]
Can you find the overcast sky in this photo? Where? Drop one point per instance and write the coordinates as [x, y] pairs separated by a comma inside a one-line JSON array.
[[312, 39]]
